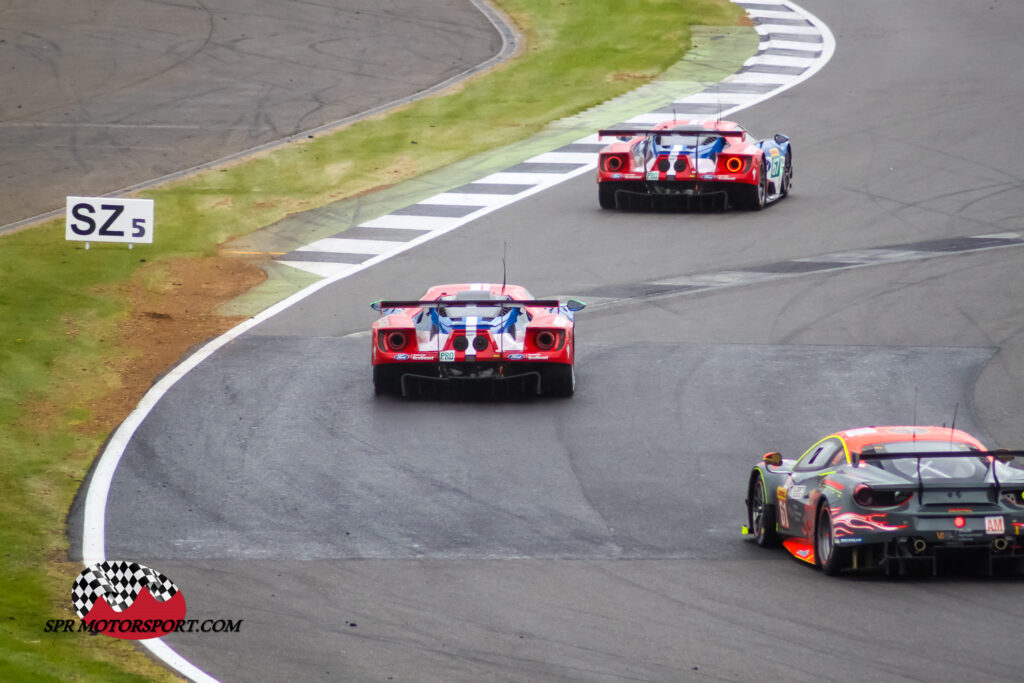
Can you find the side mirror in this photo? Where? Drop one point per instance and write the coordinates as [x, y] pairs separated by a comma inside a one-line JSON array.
[[575, 305], [772, 459], [376, 305], [781, 139]]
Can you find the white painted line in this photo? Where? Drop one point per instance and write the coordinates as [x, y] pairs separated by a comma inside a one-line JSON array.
[[400, 222], [754, 77], [503, 178], [651, 119], [764, 29], [562, 158], [775, 60], [470, 199], [341, 245], [810, 48], [771, 14], [730, 98], [324, 269]]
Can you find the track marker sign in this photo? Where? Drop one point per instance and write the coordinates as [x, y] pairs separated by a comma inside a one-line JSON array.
[[109, 219]]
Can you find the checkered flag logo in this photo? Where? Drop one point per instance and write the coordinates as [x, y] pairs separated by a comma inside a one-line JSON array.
[[119, 583]]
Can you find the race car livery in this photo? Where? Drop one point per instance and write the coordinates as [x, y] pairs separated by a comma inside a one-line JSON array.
[[461, 334], [692, 165], [897, 499]]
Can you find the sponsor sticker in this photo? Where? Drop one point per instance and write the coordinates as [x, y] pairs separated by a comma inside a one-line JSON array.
[[994, 525], [708, 176], [850, 539], [516, 356], [537, 356], [421, 356], [798, 491], [447, 357], [652, 175], [402, 356]]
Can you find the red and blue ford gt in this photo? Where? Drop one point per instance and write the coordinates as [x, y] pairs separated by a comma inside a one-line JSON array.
[[693, 165], [472, 334]]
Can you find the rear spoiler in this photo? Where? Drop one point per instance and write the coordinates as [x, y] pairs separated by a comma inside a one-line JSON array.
[[679, 130], [571, 304], [1002, 455]]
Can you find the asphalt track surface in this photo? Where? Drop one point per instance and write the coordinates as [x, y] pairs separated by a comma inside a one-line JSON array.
[[101, 96], [597, 538]]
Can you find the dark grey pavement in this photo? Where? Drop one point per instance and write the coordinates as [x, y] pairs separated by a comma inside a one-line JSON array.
[[597, 538]]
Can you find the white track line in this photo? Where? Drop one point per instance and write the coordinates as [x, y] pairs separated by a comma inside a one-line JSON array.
[[94, 515]]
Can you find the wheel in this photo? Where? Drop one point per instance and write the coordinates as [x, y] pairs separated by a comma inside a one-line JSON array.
[[753, 198], [606, 194], [826, 554], [761, 516], [787, 174], [560, 381], [386, 380]]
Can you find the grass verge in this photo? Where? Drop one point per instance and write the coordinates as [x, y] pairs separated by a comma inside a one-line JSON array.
[[68, 317]]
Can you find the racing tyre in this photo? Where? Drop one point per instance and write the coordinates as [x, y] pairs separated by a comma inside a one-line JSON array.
[[754, 197], [560, 381], [787, 174], [386, 381], [606, 194], [761, 516], [826, 554]]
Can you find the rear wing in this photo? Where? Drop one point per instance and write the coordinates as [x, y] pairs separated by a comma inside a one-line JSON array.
[[386, 304], [678, 130], [1003, 456]]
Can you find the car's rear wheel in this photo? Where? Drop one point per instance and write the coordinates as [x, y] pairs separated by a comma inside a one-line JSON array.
[[606, 194], [787, 173], [386, 380], [761, 515], [754, 196], [826, 554], [560, 380]]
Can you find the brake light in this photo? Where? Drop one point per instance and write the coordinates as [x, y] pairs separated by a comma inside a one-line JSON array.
[[734, 164], [865, 496], [396, 340], [959, 522], [546, 340], [613, 162]]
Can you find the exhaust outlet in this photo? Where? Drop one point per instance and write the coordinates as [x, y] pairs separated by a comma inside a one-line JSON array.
[[919, 546], [1000, 544]]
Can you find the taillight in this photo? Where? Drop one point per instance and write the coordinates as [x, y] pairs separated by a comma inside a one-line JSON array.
[[868, 497], [479, 342], [663, 165], [680, 164], [613, 162], [546, 340], [736, 164]]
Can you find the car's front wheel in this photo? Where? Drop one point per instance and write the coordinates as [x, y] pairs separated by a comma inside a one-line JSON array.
[[761, 515]]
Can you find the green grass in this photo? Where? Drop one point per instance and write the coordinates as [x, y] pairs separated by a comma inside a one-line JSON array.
[[60, 305]]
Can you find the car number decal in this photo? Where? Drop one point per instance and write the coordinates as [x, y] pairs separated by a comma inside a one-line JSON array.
[[780, 494]]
